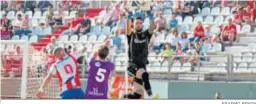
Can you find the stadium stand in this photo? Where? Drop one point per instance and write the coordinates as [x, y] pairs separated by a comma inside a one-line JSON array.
[[213, 55]]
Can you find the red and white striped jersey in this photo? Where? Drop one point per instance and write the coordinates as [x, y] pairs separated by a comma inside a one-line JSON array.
[[66, 70]]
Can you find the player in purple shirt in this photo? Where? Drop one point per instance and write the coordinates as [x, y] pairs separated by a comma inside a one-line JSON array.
[[99, 73]]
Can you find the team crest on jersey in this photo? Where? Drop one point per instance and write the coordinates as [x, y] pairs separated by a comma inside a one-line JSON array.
[[97, 64]]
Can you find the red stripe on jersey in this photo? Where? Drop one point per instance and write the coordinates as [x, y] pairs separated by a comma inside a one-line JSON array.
[[77, 78], [59, 77]]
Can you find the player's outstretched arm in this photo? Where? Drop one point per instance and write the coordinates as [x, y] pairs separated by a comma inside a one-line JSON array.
[[46, 81], [152, 23], [129, 23]]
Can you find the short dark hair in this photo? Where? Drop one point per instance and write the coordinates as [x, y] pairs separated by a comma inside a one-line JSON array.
[[139, 18], [103, 52], [19, 15]]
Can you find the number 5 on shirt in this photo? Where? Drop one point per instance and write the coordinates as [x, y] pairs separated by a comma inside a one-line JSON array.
[[100, 77]]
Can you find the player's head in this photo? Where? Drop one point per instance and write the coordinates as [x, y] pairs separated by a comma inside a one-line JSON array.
[[53, 39], [59, 52], [103, 52], [217, 95], [138, 24], [167, 46]]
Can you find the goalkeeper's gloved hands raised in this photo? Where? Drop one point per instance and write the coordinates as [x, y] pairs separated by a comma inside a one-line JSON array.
[[150, 15]]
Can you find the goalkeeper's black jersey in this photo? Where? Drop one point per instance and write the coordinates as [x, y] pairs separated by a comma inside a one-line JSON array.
[[138, 47]]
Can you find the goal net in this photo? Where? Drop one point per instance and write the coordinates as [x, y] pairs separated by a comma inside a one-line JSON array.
[[23, 69]]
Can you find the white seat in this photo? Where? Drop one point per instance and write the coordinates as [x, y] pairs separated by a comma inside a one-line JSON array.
[[208, 20], [252, 67], [242, 67], [47, 30], [219, 20], [183, 28], [215, 11], [89, 47], [72, 14], [73, 38], [179, 18], [188, 20], [119, 67], [66, 13], [2, 47], [24, 37], [252, 46], [33, 39], [246, 29], [176, 67], [37, 14], [45, 13], [83, 38], [63, 38], [10, 15], [215, 29], [106, 30], [101, 38], [198, 18], [205, 11], [221, 68], [227, 18], [164, 67], [34, 22], [167, 11], [155, 67], [206, 47], [15, 37], [161, 38], [216, 47], [30, 14], [225, 11], [247, 57], [186, 66], [96, 30], [152, 56], [92, 38]]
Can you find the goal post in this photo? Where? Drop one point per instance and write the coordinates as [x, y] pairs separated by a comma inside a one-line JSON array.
[[24, 73]]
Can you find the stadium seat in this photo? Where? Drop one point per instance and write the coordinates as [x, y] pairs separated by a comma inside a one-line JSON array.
[[215, 29], [73, 38], [252, 67], [215, 11], [208, 20], [146, 22], [176, 67], [38, 31], [242, 68], [225, 11], [119, 67], [45, 13], [168, 11], [221, 68], [152, 56], [30, 14], [183, 28], [246, 29], [96, 30], [34, 22], [164, 67], [10, 15], [89, 47], [2, 13], [47, 30], [198, 18], [37, 14], [92, 38], [216, 47], [227, 18], [83, 38], [24, 37], [16, 37], [218, 20], [161, 38], [154, 67], [207, 47], [186, 66], [72, 14], [252, 46], [105, 31], [179, 18], [188, 20], [205, 11], [33, 39], [63, 38], [101, 38], [247, 57]]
